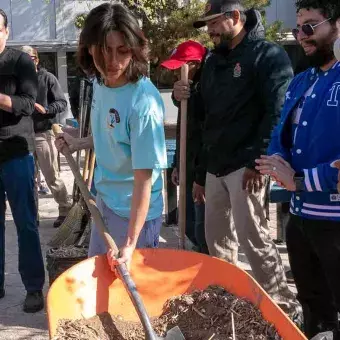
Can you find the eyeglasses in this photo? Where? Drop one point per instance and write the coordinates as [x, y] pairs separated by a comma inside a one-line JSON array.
[[307, 29]]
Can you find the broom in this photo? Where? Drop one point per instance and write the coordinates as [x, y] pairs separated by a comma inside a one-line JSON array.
[[80, 235], [84, 130], [77, 218], [75, 222], [85, 237]]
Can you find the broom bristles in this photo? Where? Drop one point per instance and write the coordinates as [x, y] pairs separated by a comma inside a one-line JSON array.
[[71, 229]]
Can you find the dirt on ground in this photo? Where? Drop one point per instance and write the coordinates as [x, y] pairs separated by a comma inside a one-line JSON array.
[[212, 314]]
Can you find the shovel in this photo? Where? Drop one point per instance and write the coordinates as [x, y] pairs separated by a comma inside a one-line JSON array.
[[324, 336], [174, 333], [183, 162]]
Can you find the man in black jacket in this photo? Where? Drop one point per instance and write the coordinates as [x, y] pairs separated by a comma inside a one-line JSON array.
[[243, 87], [50, 102], [194, 54], [18, 91]]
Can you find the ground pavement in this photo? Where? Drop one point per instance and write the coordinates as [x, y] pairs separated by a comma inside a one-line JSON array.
[[17, 325]]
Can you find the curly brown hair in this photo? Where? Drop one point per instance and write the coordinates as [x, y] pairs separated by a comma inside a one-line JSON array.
[[98, 24]]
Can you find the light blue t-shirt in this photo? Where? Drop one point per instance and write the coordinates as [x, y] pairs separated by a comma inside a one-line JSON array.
[[128, 133]]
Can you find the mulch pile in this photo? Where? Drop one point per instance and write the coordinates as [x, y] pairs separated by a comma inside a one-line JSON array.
[[212, 314]]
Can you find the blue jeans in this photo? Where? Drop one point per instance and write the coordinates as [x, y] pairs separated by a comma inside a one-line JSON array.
[[195, 216], [17, 182], [118, 229]]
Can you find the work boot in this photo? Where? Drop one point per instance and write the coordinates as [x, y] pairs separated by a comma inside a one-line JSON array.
[[2, 293], [34, 302], [59, 221]]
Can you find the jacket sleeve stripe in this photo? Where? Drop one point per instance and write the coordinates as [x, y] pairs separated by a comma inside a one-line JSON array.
[[307, 180], [316, 179]]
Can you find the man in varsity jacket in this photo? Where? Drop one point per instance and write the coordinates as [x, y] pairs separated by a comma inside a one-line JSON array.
[[18, 91], [301, 158]]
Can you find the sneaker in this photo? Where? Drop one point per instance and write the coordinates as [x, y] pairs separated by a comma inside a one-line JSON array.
[[59, 221], [43, 189], [2, 293], [34, 302]]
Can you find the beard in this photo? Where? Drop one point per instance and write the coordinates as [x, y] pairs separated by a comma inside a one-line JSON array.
[[222, 41], [322, 56], [215, 38], [324, 51]]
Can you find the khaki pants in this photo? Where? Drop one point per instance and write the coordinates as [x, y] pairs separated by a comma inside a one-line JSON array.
[[46, 154], [235, 217]]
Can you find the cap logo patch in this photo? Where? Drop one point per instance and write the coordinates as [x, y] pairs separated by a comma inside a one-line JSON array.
[[237, 70]]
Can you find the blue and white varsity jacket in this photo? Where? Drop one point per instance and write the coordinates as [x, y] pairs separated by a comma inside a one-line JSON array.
[[316, 144]]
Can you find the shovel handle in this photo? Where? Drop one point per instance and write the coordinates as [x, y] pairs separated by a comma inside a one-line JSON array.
[[183, 161], [91, 170], [110, 243], [91, 204]]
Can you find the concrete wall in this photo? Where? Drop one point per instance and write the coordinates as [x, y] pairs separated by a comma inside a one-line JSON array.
[[170, 109], [32, 20], [66, 12], [283, 10], [45, 20]]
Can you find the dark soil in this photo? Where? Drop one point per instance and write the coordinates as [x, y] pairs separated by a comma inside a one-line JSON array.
[[202, 315]]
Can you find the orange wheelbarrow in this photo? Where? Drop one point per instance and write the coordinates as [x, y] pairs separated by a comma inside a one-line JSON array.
[[91, 288]]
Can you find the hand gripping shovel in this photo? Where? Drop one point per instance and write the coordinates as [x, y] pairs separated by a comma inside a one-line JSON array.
[[173, 334]]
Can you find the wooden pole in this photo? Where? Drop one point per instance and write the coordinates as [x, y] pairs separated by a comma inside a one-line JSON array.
[[182, 161], [86, 164], [91, 170]]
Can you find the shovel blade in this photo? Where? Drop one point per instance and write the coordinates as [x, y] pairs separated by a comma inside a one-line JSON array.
[[174, 334], [324, 336]]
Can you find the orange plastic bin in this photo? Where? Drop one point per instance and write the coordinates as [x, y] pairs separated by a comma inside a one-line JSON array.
[[91, 288]]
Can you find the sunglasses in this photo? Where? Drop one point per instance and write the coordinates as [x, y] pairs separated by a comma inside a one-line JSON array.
[[307, 29]]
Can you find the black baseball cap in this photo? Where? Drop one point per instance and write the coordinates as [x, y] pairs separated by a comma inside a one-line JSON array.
[[215, 8]]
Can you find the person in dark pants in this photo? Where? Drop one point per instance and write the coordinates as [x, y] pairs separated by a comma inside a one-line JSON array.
[[50, 102], [194, 54], [243, 85], [18, 91], [302, 155]]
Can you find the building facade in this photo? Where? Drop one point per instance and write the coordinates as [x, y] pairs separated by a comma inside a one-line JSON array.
[[284, 11]]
